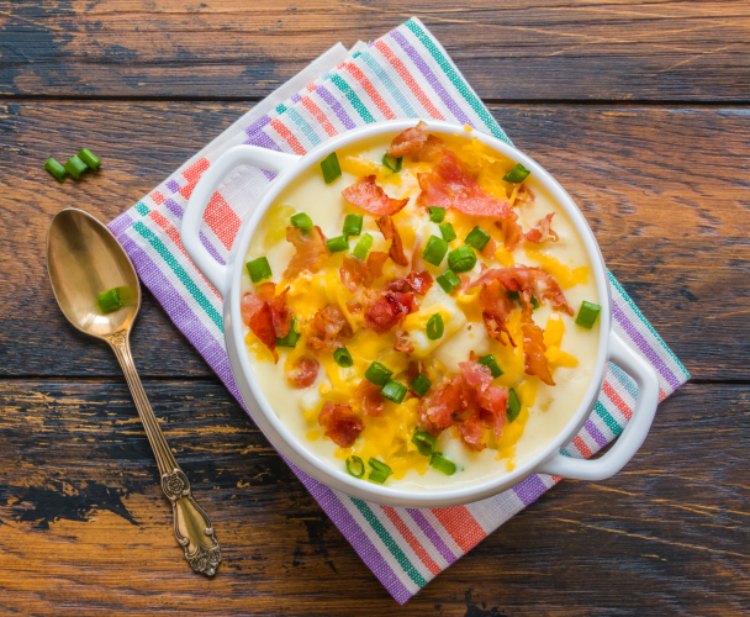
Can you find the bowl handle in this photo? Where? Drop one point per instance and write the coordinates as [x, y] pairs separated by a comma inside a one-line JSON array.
[[635, 432], [262, 158]]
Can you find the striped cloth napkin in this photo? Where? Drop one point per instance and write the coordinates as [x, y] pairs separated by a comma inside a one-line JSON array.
[[405, 73]]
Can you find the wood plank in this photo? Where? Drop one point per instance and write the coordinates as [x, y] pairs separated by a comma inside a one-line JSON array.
[[682, 50], [84, 529], [664, 189]]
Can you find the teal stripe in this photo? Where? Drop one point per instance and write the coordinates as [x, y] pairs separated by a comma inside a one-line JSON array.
[[280, 108], [142, 208], [625, 379], [388, 540], [457, 81], [639, 315], [353, 98], [607, 418], [390, 86], [303, 124], [184, 277]]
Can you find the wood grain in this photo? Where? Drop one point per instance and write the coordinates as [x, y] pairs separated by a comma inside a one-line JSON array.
[[664, 189], [673, 50], [80, 505]]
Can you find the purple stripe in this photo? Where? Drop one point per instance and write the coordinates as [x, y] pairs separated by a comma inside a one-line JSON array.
[[296, 98], [530, 489], [430, 532], [172, 185], [174, 207], [264, 141], [332, 506], [258, 124], [178, 211], [596, 433], [121, 223], [335, 106], [432, 79], [644, 346]]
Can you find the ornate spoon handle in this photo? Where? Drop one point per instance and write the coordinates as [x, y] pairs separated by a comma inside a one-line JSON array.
[[192, 528]]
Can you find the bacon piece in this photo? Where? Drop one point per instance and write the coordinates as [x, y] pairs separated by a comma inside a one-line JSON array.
[[311, 250], [403, 343], [535, 362], [492, 400], [356, 273], [450, 186], [342, 425], [438, 407], [389, 310], [542, 231], [366, 194], [327, 328], [303, 372], [416, 143], [496, 306], [528, 281], [389, 231], [418, 282], [370, 400], [258, 316], [282, 314]]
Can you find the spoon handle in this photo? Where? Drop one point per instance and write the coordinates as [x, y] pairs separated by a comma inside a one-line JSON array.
[[192, 527]]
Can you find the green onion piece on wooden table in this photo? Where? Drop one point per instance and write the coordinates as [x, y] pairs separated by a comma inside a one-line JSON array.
[[447, 231], [448, 280], [517, 174], [355, 466], [343, 357], [421, 384], [491, 363], [337, 244], [259, 269], [435, 327], [378, 374], [380, 471], [442, 464], [514, 405], [352, 225], [462, 259], [291, 338], [75, 166], [362, 247], [435, 250], [437, 214], [56, 169], [587, 314], [88, 157], [478, 238], [330, 168], [394, 391], [302, 221], [424, 441], [392, 162]]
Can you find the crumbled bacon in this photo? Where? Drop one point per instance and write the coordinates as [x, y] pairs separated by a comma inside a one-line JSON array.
[[282, 314], [258, 316], [303, 372], [542, 231], [366, 194], [403, 343], [327, 328], [512, 232], [389, 231], [416, 143], [342, 425], [450, 186], [370, 400], [355, 273], [528, 281], [311, 250], [388, 310], [418, 282], [496, 306], [535, 362]]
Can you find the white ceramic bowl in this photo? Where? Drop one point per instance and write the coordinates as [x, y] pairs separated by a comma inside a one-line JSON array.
[[226, 279]]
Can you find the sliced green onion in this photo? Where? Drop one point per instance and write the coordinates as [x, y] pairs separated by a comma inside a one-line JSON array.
[[330, 168], [490, 362], [352, 225], [355, 466], [437, 214], [378, 374], [302, 221], [435, 327], [258, 269], [55, 167], [337, 244], [394, 391], [435, 250], [448, 280], [514, 405], [517, 174], [113, 299], [291, 338], [462, 259], [75, 166], [447, 231], [535, 303], [393, 162], [424, 441], [343, 357], [442, 464], [478, 238], [514, 295], [421, 384], [88, 157], [380, 471], [587, 314], [362, 247]]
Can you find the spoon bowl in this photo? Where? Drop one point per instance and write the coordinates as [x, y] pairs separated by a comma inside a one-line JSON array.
[[85, 259]]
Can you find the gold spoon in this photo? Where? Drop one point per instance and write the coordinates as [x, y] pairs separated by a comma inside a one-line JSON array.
[[84, 259]]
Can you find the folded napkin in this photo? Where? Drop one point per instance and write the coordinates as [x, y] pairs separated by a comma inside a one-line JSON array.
[[405, 73]]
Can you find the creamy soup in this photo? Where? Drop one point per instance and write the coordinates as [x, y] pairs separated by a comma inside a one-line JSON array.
[[424, 318]]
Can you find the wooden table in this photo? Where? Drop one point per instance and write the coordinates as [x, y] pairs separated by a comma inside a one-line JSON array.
[[641, 108]]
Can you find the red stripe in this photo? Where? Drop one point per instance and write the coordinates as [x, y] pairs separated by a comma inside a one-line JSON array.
[[192, 174], [370, 90], [409, 537], [287, 135], [582, 447], [174, 235], [310, 105], [461, 525], [406, 76], [157, 197], [222, 219], [617, 401]]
